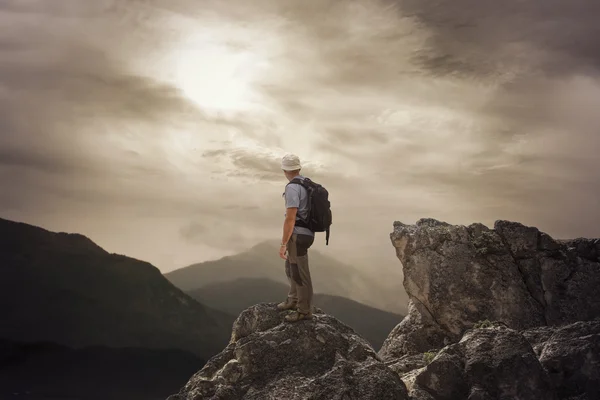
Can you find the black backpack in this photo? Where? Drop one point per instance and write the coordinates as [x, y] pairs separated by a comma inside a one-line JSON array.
[[319, 208]]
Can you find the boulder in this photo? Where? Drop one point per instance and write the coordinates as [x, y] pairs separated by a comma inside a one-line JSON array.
[[571, 357], [268, 358], [488, 363], [415, 334]]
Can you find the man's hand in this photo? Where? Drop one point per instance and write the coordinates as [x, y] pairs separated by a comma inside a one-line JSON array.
[[282, 250]]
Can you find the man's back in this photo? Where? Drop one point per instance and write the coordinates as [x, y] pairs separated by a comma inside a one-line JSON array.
[[297, 196]]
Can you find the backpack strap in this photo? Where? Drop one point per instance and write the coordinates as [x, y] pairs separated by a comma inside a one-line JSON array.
[[301, 182]]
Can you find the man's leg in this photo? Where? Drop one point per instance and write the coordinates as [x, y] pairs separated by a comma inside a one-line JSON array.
[[292, 298], [300, 272], [293, 293], [305, 290]]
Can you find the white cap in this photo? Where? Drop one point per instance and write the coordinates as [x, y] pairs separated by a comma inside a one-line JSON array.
[[290, 162]]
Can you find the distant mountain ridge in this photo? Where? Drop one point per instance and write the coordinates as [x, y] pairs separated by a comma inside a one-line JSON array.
[[235, 296], [63, 288], [261, 261]]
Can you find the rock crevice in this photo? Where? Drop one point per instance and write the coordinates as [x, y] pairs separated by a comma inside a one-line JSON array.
[[530, 275], [487, 363]]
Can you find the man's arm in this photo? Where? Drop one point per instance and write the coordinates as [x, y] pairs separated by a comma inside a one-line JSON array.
[[288, 224], [288, 229], [292, 203]]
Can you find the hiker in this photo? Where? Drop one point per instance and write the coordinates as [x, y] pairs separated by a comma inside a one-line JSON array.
[[295, 243]]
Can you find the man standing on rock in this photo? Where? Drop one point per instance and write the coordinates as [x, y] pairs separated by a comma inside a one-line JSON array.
[[295, 242]]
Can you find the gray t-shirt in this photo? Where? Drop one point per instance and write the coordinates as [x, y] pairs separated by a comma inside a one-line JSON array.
[[296, 196]]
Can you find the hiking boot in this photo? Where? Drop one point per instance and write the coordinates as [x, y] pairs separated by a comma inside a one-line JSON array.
[[286, 305], [298, 316]]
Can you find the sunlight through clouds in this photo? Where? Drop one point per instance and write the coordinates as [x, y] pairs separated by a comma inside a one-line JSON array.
[[218, 79], [113, 112]]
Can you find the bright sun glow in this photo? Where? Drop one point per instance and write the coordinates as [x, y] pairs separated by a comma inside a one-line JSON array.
[[218, 78]]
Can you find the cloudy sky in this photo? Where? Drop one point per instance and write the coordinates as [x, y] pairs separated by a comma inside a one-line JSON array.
[[155, 127]]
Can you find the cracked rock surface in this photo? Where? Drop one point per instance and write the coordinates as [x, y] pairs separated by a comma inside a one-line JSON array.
[[497, 362], [540, 295], [268, 358], [571, 356], [458, 275], [488, 363]]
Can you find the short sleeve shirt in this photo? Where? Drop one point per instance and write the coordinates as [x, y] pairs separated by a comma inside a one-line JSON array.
[[296, 196]]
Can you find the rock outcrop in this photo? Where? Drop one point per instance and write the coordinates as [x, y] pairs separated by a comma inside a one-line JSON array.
[[540, 293], [494, 314], [268, 358], [571, 357], [456, 276], [496, 362], [488, 363]]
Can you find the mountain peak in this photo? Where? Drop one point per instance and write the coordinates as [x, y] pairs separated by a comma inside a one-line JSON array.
[[262, 261]]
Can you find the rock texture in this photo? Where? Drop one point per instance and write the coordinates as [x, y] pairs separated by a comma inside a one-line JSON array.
[[488, 363], [456, 276], [494, 314], [268, 358], [540, 293], [571, 357], [497, 362]]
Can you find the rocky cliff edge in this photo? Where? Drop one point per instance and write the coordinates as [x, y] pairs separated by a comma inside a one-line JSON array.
[[268, 358], [496, 313]]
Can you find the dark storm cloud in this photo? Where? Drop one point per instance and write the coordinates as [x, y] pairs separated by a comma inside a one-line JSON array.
[[478, 39], [492, 94]]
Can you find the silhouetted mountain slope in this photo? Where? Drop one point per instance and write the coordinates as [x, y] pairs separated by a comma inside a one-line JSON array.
[[261, 261], [63, 288], [235, 296], [34, 371]]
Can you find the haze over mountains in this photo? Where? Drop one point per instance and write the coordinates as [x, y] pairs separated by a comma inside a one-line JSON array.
[[235, 296], [329, 276]]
